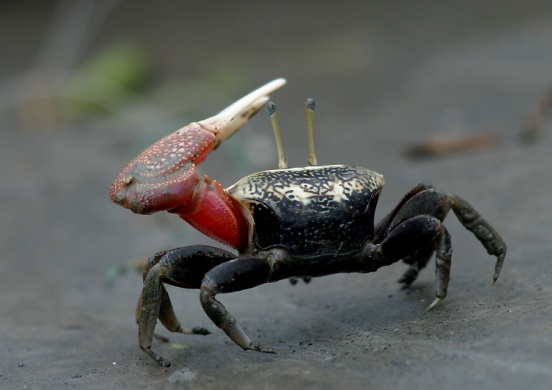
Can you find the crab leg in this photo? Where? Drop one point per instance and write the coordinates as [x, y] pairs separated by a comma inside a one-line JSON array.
[[237, 275], [183, 267], [164, 177]]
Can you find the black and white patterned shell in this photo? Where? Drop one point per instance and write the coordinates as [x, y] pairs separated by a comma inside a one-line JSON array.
[[311, 211]]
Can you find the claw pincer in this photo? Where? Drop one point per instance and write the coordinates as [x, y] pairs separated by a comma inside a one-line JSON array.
[[164, 177]]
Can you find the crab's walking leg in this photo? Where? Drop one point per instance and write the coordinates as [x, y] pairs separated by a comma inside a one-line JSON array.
[[183, 267], [421, 235], [442, 266], [421, 200], [425, 199], [425, 203], [482, 230], [235, 275], [166, 313]]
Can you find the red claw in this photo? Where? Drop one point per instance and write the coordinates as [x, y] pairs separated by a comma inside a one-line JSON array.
[[163, 177]]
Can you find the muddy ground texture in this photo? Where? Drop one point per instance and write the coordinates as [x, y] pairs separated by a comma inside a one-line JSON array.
[[384, 77]]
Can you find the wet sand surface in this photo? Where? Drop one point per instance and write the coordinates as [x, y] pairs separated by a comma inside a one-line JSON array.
[[384, 77]]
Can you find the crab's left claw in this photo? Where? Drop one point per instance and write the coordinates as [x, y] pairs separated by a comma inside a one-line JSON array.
[[163, 177]]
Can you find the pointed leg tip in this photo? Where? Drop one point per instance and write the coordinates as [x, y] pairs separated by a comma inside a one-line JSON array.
[[434, 303], [162, 362], [498, 268]]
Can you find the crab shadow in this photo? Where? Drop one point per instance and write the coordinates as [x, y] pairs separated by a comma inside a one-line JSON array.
[[351, 308]]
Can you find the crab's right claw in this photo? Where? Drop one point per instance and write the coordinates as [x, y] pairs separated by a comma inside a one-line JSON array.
[[163, 177]]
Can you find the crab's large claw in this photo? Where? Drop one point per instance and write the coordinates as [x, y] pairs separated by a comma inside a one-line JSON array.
[[163, 177]]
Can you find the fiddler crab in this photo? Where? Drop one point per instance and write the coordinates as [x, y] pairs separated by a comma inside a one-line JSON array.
[[283, 223]]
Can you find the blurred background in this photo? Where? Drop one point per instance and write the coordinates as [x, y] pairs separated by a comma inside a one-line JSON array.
[[448, 93]]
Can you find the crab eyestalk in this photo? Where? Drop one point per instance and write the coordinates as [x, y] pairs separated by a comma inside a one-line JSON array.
[[273, 116], [309, 113]]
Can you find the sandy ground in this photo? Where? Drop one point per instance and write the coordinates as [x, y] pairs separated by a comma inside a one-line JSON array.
[[384, 76]]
